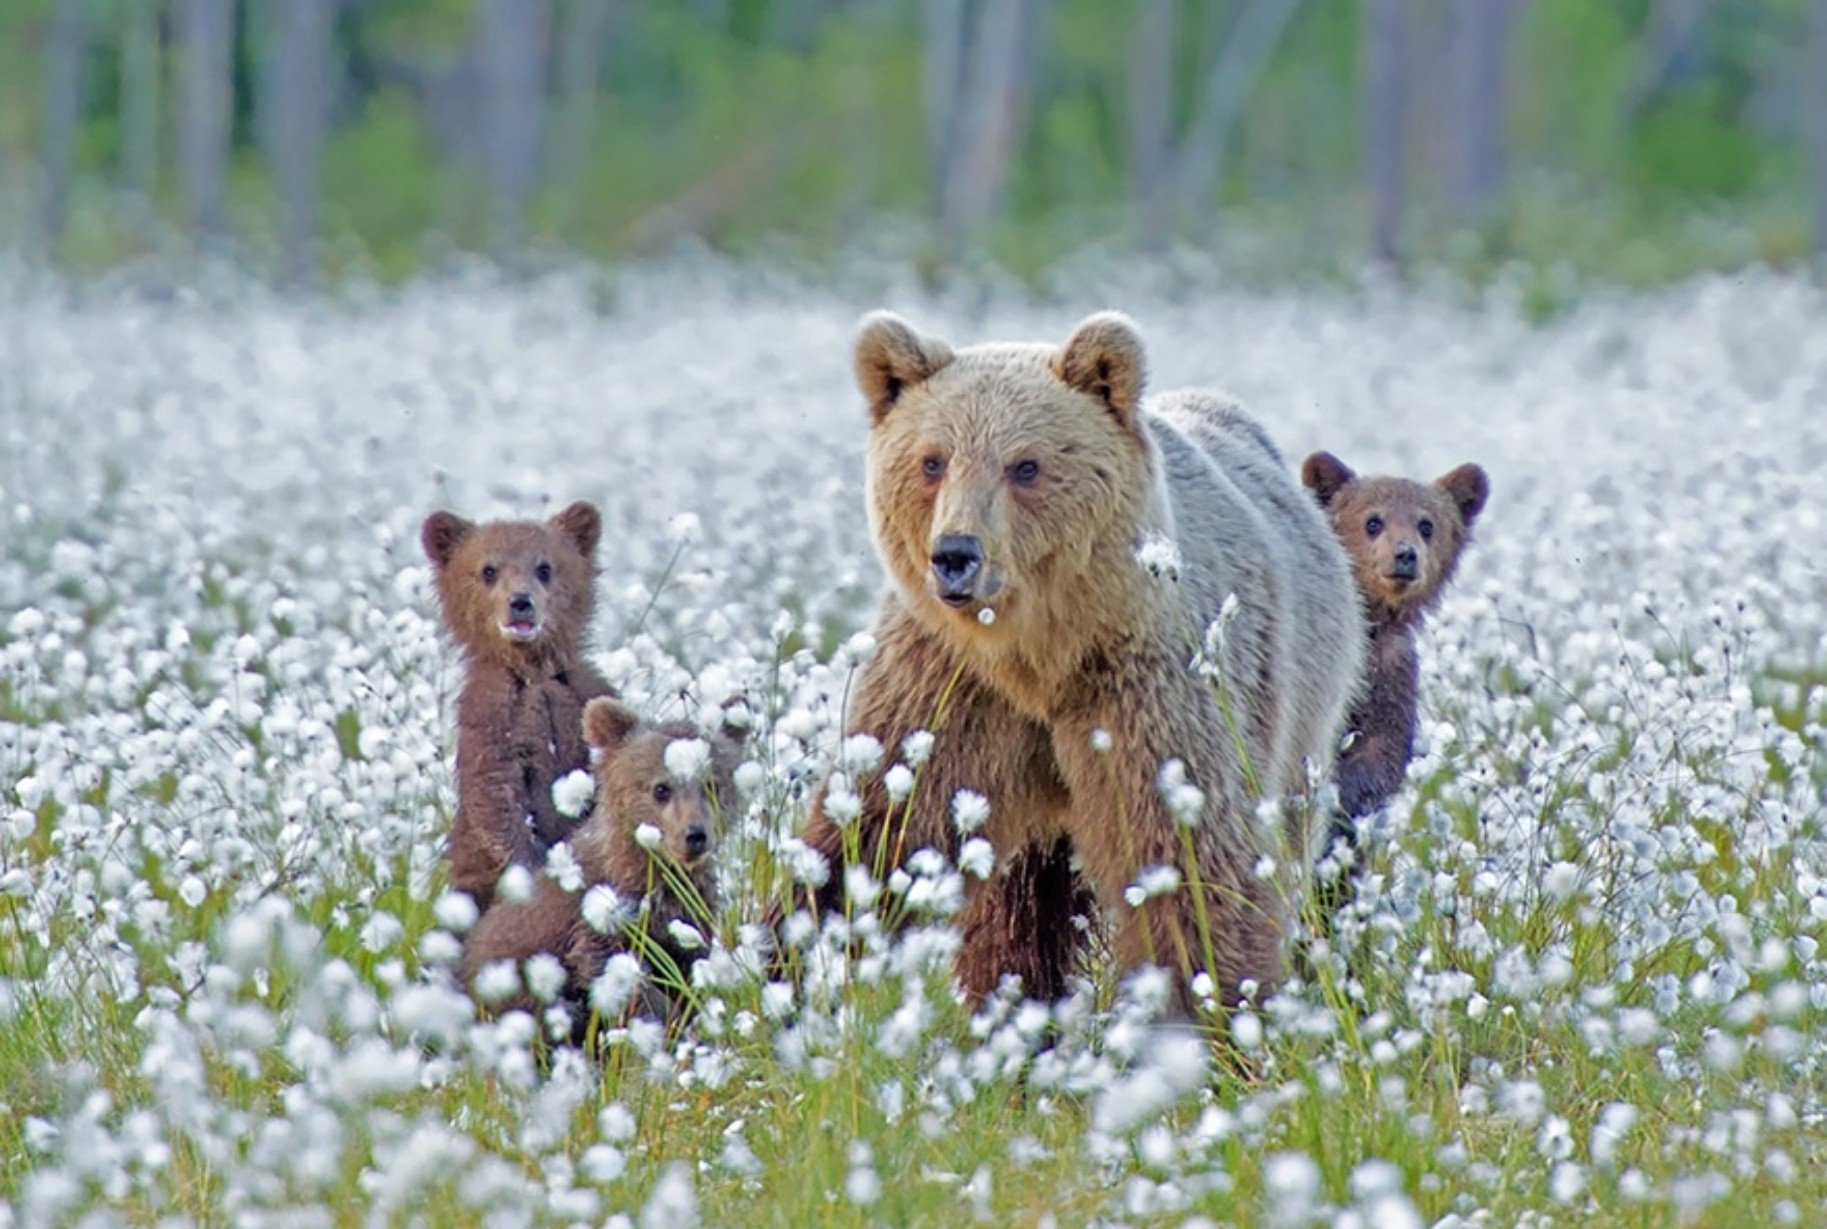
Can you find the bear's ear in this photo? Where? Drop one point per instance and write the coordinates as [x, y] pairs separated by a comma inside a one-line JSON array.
[[891, 357], [1468, 487], [1325, 475], [581, 523], [441, 534], [1105, 358], [608, 723]]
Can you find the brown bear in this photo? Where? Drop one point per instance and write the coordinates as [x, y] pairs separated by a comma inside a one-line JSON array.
[[664, 794], [517, 597], [1404, 539], [1125, 625]]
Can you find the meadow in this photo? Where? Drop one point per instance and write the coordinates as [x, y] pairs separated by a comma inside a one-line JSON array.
[[1581, 982]]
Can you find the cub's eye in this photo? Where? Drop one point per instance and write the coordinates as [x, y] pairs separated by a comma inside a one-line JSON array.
[[662, 793], [544, 573], [1024, 473], [1374, 526], [1427, 529], [490, 574], [933, 468]]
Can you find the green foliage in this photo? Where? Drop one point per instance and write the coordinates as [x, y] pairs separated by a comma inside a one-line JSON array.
[[755, 121]]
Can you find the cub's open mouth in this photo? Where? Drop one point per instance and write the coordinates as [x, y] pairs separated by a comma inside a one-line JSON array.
[[521, 629], [958, 601]]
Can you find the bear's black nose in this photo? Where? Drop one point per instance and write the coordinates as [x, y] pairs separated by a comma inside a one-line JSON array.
[[957, 558], [521, 605], [696, 838], [1407, 562]]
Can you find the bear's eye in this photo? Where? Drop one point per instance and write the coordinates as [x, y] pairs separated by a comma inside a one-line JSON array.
[[490, 574], [933, 468], [1427, 529], [1374, 526], [544, 573], [1024, 473], [662, 793]]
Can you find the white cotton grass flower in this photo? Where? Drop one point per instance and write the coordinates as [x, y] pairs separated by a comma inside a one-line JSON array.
[[545, 976], [648, 837], [615, 986], [977, 858], [687, 936], [1185, 801], [573, 792], [455, 912], [970, 811], [563, 869], [674, 1202], [1101, 741], [516, 884], [898, 781], [1152, 882], [860, 755], [917, 748], [497, 981], [604, 911], [684, 529], [687, 758], [1159, 556]]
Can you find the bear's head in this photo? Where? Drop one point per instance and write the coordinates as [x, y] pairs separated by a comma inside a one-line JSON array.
[[516, 591], [670, 778], [1002, 477], [1404, 537]]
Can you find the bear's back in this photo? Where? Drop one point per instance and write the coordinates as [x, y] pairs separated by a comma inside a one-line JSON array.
[[1244, 526]]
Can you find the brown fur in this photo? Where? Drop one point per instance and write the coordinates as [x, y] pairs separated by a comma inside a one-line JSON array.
[[629, 768], [520, 715], [1049, 459], [1435, 522]]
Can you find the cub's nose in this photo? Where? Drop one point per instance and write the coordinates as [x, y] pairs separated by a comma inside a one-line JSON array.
[[696, 839], [521, 606], [1407, 563], [957, 560]]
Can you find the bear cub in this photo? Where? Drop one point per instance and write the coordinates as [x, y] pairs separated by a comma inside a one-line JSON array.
[[664, 794], [1404, 539], [517, 596]]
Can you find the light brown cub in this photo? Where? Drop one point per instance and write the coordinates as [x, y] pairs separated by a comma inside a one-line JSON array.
[[664, 795]]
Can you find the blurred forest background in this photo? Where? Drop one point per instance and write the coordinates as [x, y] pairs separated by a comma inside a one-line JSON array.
[[1627, 140]]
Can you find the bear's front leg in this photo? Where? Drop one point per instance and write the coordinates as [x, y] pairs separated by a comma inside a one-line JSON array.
[[1030, 920], [980, 743], [1195, 861]]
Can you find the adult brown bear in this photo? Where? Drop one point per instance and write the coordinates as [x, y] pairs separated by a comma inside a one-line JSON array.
[[1060, 556]]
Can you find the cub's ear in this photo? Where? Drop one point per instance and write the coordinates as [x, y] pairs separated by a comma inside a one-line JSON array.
[[1106, 359], [1325, 475], [1468, 487], [581, 523], [441, 534], [608, 723], [891, 357]]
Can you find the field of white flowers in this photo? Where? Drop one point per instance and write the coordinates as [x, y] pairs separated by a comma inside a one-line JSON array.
[[1583, 983]]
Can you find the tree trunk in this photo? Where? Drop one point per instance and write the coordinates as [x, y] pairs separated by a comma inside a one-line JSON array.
[[1385, 34], [63, 54], [1229, 84], [1481, 114], [947, 26], [206, 32], [1151, 118], [582, 45], [1814, 103], [295, 97], [512, 41], [141, 86], [998, 70]]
